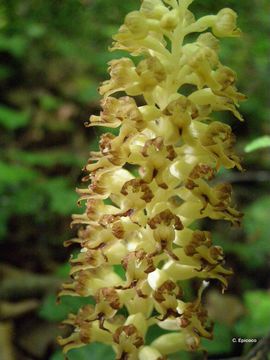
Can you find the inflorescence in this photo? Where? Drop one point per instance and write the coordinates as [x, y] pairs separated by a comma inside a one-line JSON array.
[[151, 183]]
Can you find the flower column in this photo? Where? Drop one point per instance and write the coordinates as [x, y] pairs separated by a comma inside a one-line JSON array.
[[177, 146]]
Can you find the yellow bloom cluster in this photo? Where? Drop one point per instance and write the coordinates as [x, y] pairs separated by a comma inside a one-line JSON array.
[[168, 133]]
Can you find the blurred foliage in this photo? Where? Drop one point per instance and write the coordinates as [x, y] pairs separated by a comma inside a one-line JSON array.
[[259, 143], [49, 309], [254, 249], [257, 304], [97, 351], [53, 55]]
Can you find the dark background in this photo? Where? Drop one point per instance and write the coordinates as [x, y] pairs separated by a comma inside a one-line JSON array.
[[53, 55]]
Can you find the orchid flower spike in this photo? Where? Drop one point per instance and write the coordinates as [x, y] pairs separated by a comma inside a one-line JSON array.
[[143, 221]]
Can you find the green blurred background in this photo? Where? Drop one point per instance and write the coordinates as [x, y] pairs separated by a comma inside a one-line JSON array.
[[53, 55]]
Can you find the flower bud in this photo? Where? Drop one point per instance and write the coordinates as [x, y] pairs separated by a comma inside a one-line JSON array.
[[153, 9], [170, 343], [170, 20], [225, 24], [151, 72], [150, 353], [207, 39], [137, 24]]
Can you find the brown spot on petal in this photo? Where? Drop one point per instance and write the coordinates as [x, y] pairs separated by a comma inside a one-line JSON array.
[[85, 336], [105, 142], [171, 153], [118, 230], [163, 186], [202, 171], [184, 322], [166, 288], [109, 295], [106, 220], [142, 260], [129, 332], [190, 185], [165, 217], [137, 185], [156, 143]]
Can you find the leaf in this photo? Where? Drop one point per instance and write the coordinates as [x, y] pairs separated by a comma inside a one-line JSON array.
[[119, 270], [15, 45], [259, 143], [27, 202], [46, 158], [254, 251], [256, 225], [52, 311], [13, 119], [88, 94], [63, 270], [63, 199], [154, 331], [256, 322], [58, 355], [11, 174], [36, 30], [222, 342], [183, 355], [49, 102], [95, 351]]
